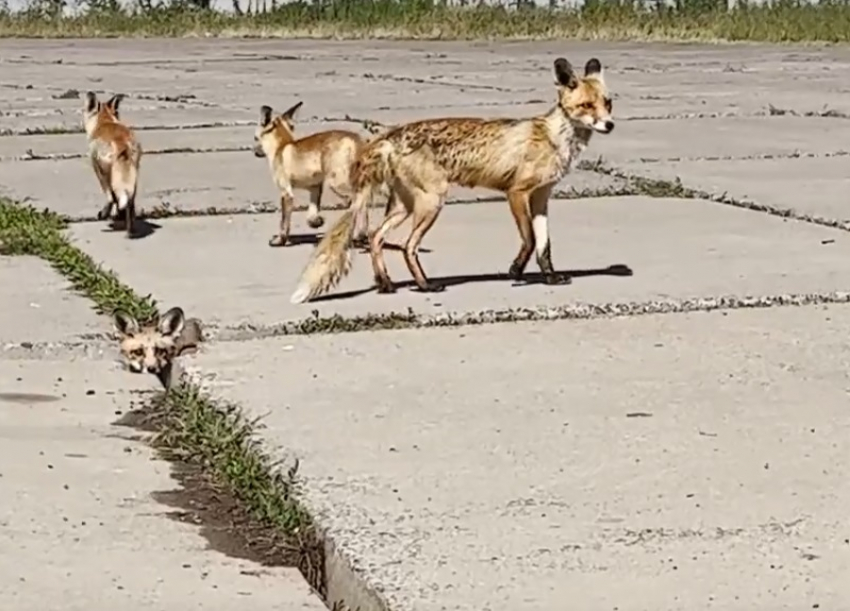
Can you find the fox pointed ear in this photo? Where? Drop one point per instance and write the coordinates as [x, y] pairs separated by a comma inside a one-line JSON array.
[[265, 115], [90, 101], [171, 323], [593, 68], [565, 76], [124, 323], [114, 101], [289, 115]]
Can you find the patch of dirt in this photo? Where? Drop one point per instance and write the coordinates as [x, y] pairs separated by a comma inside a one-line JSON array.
[[142, 418], [226, 525], [225, 521]]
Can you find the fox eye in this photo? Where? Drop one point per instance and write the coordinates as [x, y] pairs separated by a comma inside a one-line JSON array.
[[137, 352], [587, 105], [608, 104]]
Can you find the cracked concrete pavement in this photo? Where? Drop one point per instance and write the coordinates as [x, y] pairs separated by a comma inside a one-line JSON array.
[[664, 461]]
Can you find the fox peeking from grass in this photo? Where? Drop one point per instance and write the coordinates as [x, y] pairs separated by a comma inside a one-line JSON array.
[[152, 347]]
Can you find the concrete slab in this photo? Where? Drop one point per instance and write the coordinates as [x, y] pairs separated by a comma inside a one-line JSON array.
[[735, 137], [196, 181], [63, 120], [38, 305], [807, 185], [190, 181], [71, 487], [229, 76], [681, 462], [155, 141], [677, 249]]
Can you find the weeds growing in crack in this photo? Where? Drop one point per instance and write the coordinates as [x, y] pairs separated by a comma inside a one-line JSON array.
[[653, 187], [826, 113], [190, 427], [577, 311], [25, 230]]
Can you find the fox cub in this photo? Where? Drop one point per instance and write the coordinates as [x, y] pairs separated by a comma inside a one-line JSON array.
[[115, 155], [316, 163], [152, 347]]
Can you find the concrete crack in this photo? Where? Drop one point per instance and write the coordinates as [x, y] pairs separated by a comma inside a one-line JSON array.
[[757, 157], [666, 188], [577, 311], [422, 81]]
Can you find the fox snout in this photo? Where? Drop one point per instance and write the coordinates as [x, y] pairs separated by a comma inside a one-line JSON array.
[[135, 366], [258, 150], [604, 127]]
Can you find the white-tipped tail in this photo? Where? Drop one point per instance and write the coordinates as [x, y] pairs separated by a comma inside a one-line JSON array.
[[124, 176], [302, 292], [323, 272], [123, 199], [331, 260]]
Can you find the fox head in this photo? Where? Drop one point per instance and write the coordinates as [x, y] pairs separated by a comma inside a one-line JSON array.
[[96, 112], [584, 99], [150, 347], [273, 132]]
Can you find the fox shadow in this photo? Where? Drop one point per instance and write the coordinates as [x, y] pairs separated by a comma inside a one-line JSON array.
[[300, 239], [142, 228], [528, 279]]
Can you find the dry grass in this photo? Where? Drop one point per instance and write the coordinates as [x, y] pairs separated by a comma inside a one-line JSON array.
[[692, 20]]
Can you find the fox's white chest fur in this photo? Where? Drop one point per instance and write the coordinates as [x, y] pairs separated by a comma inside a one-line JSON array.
[[568, 141]]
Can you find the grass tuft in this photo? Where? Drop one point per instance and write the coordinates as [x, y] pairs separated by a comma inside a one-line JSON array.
[[687, 20]]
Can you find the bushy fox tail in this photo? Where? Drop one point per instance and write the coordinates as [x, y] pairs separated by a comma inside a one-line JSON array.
[[125, 175], [331, 261]]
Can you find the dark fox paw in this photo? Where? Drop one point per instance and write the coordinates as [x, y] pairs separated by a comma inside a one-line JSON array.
[[316, 222], [385, 286], [277, 241], [432, 287], [554, 279]]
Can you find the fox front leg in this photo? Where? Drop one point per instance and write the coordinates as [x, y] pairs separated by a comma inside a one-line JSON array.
[[286, 204]]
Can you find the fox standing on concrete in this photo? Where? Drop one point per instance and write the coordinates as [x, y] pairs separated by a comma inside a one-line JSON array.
[[523, 158], [316, 162], [115, 156]]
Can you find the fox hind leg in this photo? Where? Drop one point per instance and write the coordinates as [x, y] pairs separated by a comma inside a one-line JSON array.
[[130, 215], [427, 209], [518, 201], [314, 217], [398, 213], [112, 201]]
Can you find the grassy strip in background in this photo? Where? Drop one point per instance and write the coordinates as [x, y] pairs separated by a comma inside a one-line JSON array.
[[189, 427], [687, 20]]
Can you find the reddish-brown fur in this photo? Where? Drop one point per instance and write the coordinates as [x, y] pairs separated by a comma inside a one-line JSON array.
[[316, 163], [115, 156], [524, 158], [152, 347]]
